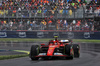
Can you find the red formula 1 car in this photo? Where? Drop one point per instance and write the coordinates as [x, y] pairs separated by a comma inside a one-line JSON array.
[[55, 48]]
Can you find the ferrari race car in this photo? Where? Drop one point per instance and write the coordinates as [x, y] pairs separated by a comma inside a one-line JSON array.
[[55, 48]]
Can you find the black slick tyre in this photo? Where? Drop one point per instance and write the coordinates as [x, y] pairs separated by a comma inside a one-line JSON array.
[[34, 52], [69, 51], [76, 50]]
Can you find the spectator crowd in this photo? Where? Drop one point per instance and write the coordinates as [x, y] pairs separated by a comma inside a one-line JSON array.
[[29, 8], [92, 9], [60, 24], [40, 14]]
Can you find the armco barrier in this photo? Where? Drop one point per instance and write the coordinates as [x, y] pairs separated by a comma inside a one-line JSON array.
[[49, 34]]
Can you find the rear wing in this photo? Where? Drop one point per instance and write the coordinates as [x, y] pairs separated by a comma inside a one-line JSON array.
[[64, 41]]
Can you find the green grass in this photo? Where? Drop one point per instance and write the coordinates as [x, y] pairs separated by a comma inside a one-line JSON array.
[[46, 39], [86, 40], [22, 39], [3, 57], [12, 56]]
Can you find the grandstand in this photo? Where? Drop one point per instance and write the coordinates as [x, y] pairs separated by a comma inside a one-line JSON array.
[[71, 15]]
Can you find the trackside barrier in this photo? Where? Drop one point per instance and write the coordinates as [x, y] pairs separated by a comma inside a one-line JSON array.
[[49, 34]]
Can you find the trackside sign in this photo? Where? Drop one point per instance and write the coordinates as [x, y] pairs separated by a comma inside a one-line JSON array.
[[48, 34]]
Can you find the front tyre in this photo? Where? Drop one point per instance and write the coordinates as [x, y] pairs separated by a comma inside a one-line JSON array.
[[34, 52], [69, 51]]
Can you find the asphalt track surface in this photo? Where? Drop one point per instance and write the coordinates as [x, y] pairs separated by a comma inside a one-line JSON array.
[[87, 58], [10, 53]]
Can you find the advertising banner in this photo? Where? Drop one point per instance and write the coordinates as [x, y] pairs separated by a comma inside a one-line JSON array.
[[46, 34]]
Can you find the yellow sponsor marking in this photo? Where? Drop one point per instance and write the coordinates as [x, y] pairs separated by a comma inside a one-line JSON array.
[[51, 48]]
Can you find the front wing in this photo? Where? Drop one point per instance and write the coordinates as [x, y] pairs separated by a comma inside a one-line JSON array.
[[54, 55]]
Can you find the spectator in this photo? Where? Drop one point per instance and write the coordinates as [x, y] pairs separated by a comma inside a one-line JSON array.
[[70, 12], [65, 24], [58, 24], [86, 26], [34, 25], [11, 23], [73, 24], [19, 12], [61, 24], [28, 22], [50, 22], [43, 24], [30, 29], [78, 24], [0, 23]]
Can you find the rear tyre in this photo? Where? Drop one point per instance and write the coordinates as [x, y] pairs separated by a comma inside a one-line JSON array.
[[69, 51], [76, 50], [34, 52]]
